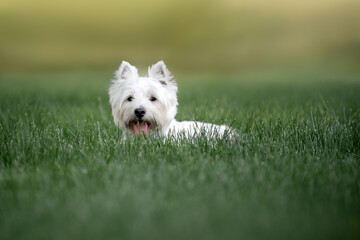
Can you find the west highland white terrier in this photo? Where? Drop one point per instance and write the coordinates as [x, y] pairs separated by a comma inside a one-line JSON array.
[[148, 105]]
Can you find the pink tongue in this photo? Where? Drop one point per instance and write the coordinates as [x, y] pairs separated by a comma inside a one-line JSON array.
[[140, 128]]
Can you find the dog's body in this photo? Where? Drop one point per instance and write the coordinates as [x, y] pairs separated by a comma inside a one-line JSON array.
[[148, 105]]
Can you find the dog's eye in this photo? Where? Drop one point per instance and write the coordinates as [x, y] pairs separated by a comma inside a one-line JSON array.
[[130, 99], [153, 99]]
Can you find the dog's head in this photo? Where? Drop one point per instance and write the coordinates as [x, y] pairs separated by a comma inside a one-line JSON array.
[[143, 105]]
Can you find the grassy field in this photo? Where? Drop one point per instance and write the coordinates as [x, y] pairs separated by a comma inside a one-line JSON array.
[[294, 174]]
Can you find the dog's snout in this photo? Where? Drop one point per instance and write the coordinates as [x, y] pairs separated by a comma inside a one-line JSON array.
[[140, 112]]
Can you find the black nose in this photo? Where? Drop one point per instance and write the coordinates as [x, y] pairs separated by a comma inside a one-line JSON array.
[[140, 112]]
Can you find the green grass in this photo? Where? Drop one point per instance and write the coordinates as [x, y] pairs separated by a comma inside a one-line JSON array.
[[65, 173]]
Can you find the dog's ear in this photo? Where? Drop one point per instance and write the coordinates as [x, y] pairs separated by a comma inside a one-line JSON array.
[[126, 71], [160, 72]]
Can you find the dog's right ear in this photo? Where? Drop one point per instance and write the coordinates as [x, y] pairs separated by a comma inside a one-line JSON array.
[[126, 71], [160, 72]]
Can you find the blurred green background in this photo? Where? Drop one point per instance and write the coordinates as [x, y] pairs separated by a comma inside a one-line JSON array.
[[191, 36]]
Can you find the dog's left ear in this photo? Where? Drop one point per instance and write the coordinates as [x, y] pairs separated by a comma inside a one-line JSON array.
[[126, 71], [160, 72]]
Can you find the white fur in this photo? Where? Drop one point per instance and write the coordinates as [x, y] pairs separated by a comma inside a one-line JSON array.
[[160, 114]]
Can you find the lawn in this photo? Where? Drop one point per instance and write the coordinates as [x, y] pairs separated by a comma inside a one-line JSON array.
[[66, 173]]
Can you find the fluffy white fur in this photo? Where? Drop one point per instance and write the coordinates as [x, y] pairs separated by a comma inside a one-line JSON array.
[[156, 96]]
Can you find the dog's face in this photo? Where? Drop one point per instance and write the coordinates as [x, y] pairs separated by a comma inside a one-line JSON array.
[[143, 105]]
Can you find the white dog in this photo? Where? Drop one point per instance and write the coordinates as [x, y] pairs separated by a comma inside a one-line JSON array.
[[148, 105]]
